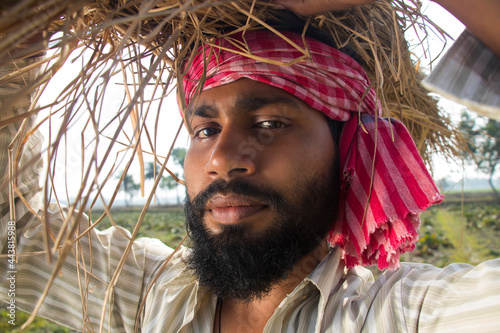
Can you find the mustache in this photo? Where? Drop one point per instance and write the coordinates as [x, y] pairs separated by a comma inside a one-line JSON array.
[[238, 187]]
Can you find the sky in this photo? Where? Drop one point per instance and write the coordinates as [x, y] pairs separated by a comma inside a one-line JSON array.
[[71, 178]]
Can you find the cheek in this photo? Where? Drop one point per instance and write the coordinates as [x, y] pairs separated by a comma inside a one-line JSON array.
[[194, 167], [309, 157], [282, 165], [320, 150]]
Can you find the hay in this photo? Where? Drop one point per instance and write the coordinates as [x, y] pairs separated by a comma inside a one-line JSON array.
[[145, 42], [171, 29]]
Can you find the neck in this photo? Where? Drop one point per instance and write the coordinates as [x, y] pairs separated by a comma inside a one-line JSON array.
[[243, 316]]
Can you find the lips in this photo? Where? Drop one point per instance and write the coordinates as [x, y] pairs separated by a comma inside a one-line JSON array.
[[232, 209]]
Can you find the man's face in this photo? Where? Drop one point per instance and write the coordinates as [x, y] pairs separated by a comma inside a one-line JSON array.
[[259, 174]]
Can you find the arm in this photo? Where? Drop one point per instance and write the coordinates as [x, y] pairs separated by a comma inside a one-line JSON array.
[[76, 297], [480, 17], [311, 7]]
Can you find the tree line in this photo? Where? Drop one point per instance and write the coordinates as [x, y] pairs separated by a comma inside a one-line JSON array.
[[483, 145], [130, 187]]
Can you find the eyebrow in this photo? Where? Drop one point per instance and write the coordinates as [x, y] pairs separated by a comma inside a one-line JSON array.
[[243, 105]]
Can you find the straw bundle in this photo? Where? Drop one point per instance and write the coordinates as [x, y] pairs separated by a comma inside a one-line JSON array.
[[171, 29], [145, 43]]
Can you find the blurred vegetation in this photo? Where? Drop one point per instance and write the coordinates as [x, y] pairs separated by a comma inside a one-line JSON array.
[[39, 325], [163, 223], [468, 233], [483, 143], [450, 232]]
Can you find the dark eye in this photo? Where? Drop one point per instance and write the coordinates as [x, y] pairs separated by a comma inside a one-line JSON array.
[[206, 132], [271, 124]]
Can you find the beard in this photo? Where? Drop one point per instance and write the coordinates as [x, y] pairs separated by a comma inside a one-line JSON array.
[[239, 264]]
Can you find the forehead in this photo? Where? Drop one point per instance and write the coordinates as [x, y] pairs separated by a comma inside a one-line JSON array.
[[243, 96]]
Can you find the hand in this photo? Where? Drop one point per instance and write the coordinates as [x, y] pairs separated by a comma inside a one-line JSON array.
[[480, 17], [311, 7]]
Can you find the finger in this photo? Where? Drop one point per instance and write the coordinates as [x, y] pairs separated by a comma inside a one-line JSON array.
[[312, 7]]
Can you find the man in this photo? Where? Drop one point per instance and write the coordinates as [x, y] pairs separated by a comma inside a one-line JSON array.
[[266, 256]]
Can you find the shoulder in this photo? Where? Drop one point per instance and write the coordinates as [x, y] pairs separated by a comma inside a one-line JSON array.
[[457, 297]]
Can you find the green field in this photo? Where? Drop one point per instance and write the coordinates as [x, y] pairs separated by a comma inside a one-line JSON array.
[[450, 232], [164, 223], [454, 232]]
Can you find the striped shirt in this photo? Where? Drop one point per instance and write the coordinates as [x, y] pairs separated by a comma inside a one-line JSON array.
[[469, 74], [416, 297]]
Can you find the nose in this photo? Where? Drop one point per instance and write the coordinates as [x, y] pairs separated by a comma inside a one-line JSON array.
[[232, 155]]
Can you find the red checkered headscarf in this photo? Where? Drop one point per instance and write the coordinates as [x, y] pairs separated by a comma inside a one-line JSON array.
[[385, 184]]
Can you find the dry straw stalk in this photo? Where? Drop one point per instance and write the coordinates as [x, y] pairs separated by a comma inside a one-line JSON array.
[[142, 46]]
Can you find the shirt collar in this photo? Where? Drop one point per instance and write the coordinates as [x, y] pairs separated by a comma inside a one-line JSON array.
[[326, 278]]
